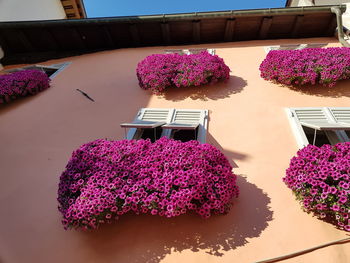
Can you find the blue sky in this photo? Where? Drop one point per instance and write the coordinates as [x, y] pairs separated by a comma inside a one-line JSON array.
[[105, 8]]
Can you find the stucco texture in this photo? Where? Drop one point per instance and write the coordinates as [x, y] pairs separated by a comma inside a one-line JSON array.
[[247, 121]]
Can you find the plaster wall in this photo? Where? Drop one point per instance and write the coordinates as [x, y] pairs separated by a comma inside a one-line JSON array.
[[247, 122], [24, 10]]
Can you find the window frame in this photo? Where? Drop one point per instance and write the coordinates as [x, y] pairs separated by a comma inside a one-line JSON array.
[[190, 51], [59, 67], [135, 133], [333, 136], [293, 46]]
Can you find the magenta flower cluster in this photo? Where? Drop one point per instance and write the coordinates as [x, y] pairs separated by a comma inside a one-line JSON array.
[[161, 71], [307, 66], [320, 179], [22, 83], [106, 179]]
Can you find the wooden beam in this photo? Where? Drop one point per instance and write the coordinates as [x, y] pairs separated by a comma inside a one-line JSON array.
[[166, 33], [265, 27], [134, 32], [75, 8], [196, 31], [81, 37], [107, 36], [297, 24], [331, 26], [54, 43], [3, 44], [24, 40], [57, 43], [229, 30]]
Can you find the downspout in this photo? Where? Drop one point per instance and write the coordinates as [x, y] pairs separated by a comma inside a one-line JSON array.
[[336, 10]]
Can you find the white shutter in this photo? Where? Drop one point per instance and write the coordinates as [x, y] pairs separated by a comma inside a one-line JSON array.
[[293, 47], [150, 114], [283, 47], [192, 116], [311, 115], [341, 114], [199, 50], [157, 115], [178, 51], [326, 119], [316, 45], [187, 116]]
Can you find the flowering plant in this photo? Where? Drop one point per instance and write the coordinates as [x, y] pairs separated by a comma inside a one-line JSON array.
[[161, 71], [320, 179], [106, 179], [22, 83], [307, 66]]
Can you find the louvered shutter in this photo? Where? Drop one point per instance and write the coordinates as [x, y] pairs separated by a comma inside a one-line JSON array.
[[152, 115], [187, 116], [318, 119], [192, 117], [311, 115], [341, 115]]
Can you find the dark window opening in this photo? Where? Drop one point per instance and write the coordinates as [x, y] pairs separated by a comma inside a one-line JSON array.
[[185, 135], [321, 137], [151, 133], [48, 71]]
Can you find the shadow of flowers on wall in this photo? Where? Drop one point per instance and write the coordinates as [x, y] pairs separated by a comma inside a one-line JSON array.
[[146, 238], [220, 90], [341, 89]]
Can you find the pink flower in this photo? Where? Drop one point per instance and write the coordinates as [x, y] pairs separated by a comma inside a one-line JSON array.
[[145, 177], [161, 71], [22, 83], [307, 66], [318, 193]]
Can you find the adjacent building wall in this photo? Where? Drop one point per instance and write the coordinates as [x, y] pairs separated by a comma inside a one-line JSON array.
[[24, 10], [316, 2]]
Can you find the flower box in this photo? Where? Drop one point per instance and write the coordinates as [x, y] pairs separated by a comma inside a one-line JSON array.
[[22, 83], [106, 179], [161, 71], [307, 66], [320, 179]]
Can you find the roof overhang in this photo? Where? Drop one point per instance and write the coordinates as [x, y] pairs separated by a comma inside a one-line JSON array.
[[74, 9], [34, 41]]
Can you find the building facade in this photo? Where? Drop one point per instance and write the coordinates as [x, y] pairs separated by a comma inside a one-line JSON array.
[[247, 122]]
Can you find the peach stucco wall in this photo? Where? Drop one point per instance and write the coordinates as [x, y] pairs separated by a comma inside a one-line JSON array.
[[247, 122]]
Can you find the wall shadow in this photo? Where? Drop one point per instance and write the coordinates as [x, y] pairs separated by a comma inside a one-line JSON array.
[[216, 91], [231, 155], [146, 238], [341, 89]]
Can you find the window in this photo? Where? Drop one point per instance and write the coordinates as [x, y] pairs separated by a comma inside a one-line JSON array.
[[179, 124], [190, 51], [51, 71], [293, 47], [319, 126]]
